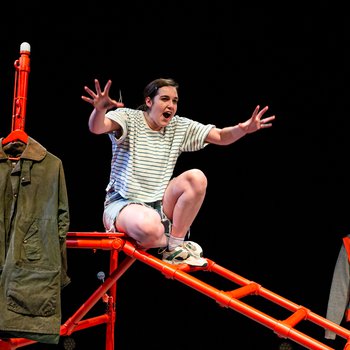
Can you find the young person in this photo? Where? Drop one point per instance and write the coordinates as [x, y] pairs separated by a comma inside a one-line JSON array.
[[143, 199]]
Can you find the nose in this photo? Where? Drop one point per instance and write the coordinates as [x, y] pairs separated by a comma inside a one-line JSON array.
[[172, 104]]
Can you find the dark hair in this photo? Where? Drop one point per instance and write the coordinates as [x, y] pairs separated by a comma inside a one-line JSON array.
[[151, 89]]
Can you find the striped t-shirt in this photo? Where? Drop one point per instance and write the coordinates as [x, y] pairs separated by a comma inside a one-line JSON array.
[[143, 160]]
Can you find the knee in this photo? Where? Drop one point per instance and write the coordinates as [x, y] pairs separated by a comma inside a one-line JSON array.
[[152, 228], [198, 181]]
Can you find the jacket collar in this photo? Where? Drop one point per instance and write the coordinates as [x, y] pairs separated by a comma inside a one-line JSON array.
[[32, 151]]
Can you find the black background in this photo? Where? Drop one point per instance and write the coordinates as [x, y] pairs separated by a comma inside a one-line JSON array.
[[277, 200]]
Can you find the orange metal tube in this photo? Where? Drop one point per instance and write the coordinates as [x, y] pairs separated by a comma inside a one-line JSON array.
[[19, 109], [249, 289], [177, 273], [14, 343], [298, 316], [103, 243], [87, 323], [70, 324]]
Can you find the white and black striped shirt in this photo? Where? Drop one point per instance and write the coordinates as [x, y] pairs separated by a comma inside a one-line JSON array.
[[143, 160]]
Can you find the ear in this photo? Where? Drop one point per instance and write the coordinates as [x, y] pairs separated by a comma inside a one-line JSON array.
[[148, 102]]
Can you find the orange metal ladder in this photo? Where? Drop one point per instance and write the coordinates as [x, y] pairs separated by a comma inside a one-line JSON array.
[[117, 242]]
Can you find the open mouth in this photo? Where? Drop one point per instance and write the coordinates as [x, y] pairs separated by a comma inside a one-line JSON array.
[[166, 115]]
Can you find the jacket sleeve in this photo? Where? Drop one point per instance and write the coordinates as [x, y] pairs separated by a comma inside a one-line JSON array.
[[63, 225], [339, 292]]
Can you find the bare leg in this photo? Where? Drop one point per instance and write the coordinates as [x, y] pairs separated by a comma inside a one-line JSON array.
[[183, 198], [143, 224]]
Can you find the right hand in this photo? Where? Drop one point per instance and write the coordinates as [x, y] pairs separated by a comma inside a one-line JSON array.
[[101, 100]]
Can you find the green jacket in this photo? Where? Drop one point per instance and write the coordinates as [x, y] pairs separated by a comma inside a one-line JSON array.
[[34, 221]]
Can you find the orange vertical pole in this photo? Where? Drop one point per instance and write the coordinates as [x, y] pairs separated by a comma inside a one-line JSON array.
[[19, 108], [112, 302]]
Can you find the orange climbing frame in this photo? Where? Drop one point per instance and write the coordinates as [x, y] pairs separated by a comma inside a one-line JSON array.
[[116, 243]]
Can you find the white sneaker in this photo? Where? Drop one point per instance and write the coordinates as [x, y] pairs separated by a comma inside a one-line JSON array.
[[176, 256], [182, 255], [193, 248]]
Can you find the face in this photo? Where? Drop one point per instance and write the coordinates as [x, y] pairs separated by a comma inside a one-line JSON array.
[[163, 107]]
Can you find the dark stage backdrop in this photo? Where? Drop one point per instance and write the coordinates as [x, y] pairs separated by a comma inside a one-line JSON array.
[[277, 201]]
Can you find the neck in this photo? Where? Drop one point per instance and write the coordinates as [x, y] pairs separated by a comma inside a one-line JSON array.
[[151, 123]]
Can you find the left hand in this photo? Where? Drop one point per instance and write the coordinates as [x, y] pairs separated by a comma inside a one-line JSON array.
[[256, 122]]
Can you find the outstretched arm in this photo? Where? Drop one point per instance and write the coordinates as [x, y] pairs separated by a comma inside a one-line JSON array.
[[98, 123], [231, 134]]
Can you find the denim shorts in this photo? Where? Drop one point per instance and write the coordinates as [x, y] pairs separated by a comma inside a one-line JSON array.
[[113, 208]]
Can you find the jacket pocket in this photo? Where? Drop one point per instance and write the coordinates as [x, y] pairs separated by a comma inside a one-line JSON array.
[[33, 292], [31, 243]]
